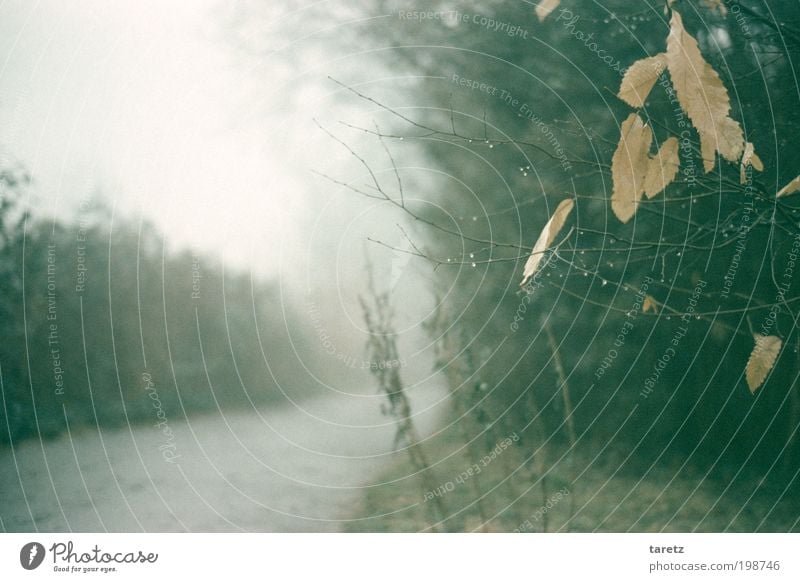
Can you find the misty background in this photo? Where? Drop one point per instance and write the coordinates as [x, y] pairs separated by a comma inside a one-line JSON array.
[[260, 268]]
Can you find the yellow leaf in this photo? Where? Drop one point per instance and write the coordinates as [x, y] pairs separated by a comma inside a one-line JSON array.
[[629, 167], [790, 188], [703, 97], [662, 169], [546, 238], [545, 7], [640, 78], [762, 359], [649, 304], [749, 158]]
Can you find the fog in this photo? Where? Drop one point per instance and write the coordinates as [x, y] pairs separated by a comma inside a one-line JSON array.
[[261, 260]]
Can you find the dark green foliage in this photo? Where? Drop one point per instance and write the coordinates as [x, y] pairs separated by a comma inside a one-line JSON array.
[[699, 407]]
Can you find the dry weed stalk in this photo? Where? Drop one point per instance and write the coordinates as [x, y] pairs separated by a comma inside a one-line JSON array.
[[382, 350]]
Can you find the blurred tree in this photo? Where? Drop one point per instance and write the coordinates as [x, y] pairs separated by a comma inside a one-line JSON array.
[[89, 308]]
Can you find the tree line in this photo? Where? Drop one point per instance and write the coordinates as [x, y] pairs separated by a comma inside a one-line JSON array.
[[103, 325]]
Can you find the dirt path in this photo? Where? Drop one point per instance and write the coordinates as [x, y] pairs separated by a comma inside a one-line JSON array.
[[269, 470]]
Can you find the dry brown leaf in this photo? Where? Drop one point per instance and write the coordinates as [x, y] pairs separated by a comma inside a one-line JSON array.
[[640, 78], [545, 7], [703, 97], [546, 238], [629, 166], [790, 188], [718, 5], [749, 158], [662, 168], [649, 304], [762, 359]]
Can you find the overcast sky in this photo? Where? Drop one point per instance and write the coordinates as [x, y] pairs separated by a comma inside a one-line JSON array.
[[147, 102], [154, 105]]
